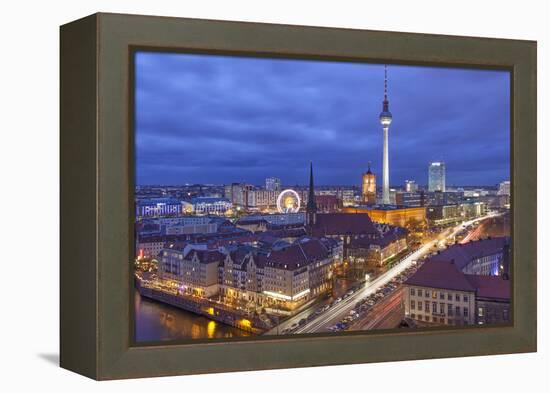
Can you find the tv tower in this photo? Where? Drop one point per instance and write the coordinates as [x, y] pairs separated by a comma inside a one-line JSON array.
[[385, 120]]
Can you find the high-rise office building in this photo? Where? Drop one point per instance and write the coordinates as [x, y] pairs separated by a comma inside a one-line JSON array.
[[273, 184], [238, 194], [411, 186], [436, 176], [409, 199], [504, 188]]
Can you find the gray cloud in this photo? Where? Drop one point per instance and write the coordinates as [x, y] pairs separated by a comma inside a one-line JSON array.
[[219, 119]]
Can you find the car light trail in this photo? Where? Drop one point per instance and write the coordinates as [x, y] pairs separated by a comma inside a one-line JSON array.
[[338, 311]]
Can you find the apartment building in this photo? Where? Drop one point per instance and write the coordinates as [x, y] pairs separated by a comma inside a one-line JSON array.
[[440, 293]]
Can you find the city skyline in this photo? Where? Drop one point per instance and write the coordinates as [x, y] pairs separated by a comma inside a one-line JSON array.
[[217, 120]]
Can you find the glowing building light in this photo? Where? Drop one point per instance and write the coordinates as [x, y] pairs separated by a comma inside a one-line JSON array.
[[246, 323], [211, 329]]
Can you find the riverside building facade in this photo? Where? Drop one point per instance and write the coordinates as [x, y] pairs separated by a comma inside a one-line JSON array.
[[282, 277], [190, 271]]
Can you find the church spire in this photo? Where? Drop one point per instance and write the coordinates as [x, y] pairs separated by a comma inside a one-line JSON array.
[[311, 207]]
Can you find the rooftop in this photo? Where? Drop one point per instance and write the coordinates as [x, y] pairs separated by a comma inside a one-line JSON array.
[[446, 275], [440, 275], [250, 221], [383, 240], [288, 257], [297, 255], [490, 287], [330, 224], [208, 200], [157, 201], [286, 232], [205, 256], [463, 254]]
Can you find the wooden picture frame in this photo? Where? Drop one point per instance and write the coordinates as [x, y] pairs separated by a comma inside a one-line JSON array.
[[97, 197]]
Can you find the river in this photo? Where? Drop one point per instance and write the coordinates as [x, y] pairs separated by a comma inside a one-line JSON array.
[[160, 322]]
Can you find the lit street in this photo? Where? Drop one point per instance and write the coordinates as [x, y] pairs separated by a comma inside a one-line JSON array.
[[341, 309], [387, 314]]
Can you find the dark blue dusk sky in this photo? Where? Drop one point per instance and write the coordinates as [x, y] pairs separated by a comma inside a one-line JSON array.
[[222, 119]]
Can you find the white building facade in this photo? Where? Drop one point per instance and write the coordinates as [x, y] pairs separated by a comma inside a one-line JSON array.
[[436, 176], [194, 272], [439, 306]]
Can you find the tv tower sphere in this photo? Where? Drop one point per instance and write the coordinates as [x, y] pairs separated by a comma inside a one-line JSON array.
[[385, 118]]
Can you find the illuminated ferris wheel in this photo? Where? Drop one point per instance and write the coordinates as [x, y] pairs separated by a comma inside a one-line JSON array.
[[288, 201]]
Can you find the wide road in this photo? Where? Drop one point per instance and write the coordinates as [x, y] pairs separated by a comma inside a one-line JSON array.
[[338, 311], [472, 235], [387, 314], [306, 310]]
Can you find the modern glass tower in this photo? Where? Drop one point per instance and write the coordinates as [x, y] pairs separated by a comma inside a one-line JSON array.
[[385, 121], [436, 176]]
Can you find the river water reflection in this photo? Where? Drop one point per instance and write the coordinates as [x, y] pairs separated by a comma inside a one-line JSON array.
[[160, 322]]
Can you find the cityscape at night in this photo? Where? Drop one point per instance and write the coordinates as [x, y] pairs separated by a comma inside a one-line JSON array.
[[280, 197]]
